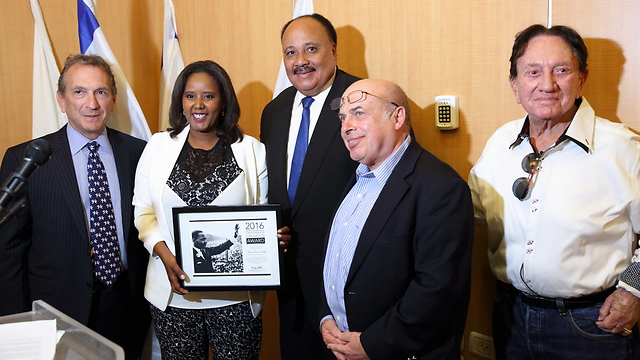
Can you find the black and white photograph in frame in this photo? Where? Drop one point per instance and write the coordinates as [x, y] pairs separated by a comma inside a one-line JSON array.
[[217, 254], [228, 247]]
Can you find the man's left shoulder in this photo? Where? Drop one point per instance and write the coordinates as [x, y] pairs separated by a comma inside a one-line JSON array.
[[130, 142], [428, 165], [615, 133], [345, 79]]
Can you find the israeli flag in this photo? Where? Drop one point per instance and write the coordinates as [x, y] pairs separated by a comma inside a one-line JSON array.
[[127, 116], [303, 7], [47, 116], [172, 63]]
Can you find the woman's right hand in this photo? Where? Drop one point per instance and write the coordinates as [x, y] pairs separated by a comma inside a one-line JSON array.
[[171, 266]]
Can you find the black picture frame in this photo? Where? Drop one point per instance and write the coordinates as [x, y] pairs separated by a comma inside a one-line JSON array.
[[223, 248]]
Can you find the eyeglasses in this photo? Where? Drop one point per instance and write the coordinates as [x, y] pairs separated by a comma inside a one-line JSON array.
[[354, 97], [522, 186]]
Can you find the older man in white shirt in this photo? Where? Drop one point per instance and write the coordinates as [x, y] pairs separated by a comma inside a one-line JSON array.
[[560, 193]]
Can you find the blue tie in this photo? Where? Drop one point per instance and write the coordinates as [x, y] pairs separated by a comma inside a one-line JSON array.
[[302, 142], [102, 222]]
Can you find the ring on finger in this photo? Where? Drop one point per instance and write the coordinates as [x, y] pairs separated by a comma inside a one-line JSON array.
[[625, 332]]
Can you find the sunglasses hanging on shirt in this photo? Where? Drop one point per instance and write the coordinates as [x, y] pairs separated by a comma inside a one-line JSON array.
[[531, 164], [522, 186]]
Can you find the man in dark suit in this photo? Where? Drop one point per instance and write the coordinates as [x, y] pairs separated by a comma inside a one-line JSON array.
[[309, 52], [398, 258], [46, 252], [202, 254]]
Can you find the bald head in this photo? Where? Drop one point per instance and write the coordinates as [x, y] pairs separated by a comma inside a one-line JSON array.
[[375, 120], [387, 90]]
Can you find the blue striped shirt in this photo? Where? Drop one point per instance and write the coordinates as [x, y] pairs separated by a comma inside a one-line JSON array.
[[347, 226]]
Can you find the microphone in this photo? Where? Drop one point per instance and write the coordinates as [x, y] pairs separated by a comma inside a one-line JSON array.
[[38, 152]]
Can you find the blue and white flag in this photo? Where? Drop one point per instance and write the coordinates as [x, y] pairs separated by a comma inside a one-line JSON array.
[[303, 7], [46, 114], [172, 63], [127, 116]]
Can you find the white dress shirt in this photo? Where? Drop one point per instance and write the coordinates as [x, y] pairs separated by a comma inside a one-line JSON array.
[[576, 232], [296, 118]]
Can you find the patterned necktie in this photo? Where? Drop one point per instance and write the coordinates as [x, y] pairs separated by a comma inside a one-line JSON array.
[[102, 221], [302, 142]]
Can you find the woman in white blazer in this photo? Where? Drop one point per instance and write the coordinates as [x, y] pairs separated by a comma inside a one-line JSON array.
[[204, 159]]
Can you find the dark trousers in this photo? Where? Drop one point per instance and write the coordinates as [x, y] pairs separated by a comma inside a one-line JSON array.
[[112, 316], [299, 336]]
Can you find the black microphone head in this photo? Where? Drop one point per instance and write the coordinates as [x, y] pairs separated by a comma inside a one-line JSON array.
[[39, 151]]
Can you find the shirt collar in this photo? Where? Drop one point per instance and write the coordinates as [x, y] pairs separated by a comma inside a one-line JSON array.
[[383, 172], [580, 130], [77, 141]]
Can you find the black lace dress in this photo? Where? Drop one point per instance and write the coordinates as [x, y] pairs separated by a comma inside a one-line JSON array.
[[199, 176]]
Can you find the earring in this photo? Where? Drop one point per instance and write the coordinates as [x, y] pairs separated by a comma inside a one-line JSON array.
[[222, 112]]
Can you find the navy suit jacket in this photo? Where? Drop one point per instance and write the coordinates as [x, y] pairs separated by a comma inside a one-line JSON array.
[[45, 250], [325, 173], [408, 287]]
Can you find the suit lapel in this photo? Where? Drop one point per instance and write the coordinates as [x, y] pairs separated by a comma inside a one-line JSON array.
[[388, 200], [64, 178], [278, 149], [327, 131], [125, 174]]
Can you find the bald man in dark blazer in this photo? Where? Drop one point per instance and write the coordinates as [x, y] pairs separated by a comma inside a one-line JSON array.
[[397, 269]]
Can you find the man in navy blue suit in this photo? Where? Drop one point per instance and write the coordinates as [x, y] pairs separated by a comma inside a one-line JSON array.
[[46, 251], [309, 48]]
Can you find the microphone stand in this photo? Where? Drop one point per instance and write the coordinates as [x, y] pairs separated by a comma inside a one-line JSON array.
[[13, 210]]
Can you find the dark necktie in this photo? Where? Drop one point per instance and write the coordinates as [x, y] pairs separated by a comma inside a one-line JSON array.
[[102, 221], [302, 142]]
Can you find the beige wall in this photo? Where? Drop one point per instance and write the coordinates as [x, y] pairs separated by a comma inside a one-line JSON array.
[[458, 47]]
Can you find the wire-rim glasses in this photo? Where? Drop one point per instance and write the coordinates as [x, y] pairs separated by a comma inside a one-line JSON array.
[[354, 97], [522, 186]]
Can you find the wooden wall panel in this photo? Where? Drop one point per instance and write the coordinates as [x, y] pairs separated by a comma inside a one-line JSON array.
[[430, 48], [244, 38], [611, 34], [16, 63], [60, 18], [134, 32]]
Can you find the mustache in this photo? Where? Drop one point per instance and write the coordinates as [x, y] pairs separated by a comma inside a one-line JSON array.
[[303, 68]]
